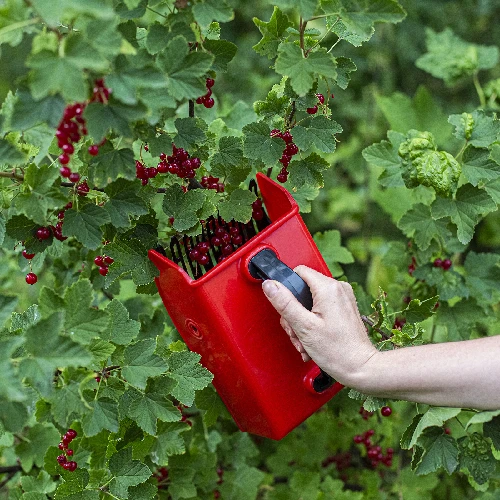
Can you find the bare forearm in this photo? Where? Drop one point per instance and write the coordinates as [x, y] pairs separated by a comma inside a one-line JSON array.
[[458, 374]]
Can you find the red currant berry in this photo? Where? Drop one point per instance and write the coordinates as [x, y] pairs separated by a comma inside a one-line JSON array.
[[99, 260], [64, 159], [208, 94], [43, 233], [97, 379], [210, 83], [386, 411], [438, 263], [390, 451], [436, 305], [82, 189], [321, 98], [237, 240], [163, 156], [71, 466], [31, 278], [108, 260], [71, 433], [358, 439], [65, 172], [74, 177], [69, 453], [204, 260], [275, 133], [162, 168], [216, 242], [93, 150], [203, 247], [62, 446], [446, 264], [199, 100], [68, 148], [287, 137], [281, 178], [258, 214], [208, 103], [27, 255], [61, 459], [103, 271], [194, 254], [313, 110], [285, 159], [151, 172], [291, 149]]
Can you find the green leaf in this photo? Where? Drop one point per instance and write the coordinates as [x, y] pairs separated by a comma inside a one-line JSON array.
[[183, 207], [124, 202], [483, 275], [302, 70], [436, 416], [238, 206], [449, 284], [104, 415], [51, 74], [157, 38], [111, 164], [206, 11], [320, 133], [11, 388], [130, 256], [85, 224], [169, 441], [418, 224], [147, 407], [345, 66], [459, 319], [492, 431], [65, 403], [477, 128], [7, 305], [476, 457], [189, 375], [450, 58], [465, 210], [358, 17], [189, 133], [28, 112], [37, 197], [140, 363], [243, 483], [259, 145], [38, 439], [126, 472], [184, 69], [229, 154], [82, 322], [422, 112], [223, 51], [482, 417], [419, 310], [305, 484], [307, 171], [2, 230], [440, 450], [209, 401], [54, 352], [333, 252], [121, 330], [41, 484], [384, 155], [102, 118], [272, 32], [9, 155], [478, 166]]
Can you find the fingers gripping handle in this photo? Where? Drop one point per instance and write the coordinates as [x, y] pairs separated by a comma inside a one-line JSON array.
[[266, 265]]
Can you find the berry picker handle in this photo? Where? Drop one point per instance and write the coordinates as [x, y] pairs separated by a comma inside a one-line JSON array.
[[266, 265]]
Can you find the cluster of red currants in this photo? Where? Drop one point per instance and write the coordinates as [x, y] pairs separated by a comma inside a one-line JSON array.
[[199, 253], [444, 264], [72, 128], [290, 150], [374, 452], [412, 266], [314, 109], [207, 100], [342, 461], [209, 182], [102, 262], [257, 212], [63, 446], [226, 240]]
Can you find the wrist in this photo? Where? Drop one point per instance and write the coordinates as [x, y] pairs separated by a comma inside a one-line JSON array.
[[363, 377]]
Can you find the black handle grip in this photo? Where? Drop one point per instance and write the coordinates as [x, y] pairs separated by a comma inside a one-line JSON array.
[[266, 265]]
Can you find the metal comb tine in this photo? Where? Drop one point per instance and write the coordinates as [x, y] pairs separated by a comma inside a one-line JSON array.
[[175, 248], [186, 251]]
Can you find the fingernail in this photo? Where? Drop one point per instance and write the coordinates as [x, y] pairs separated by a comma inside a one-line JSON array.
[[270, 288]]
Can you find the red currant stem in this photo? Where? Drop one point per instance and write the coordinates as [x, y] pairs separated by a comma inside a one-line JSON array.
[[334, 45], [12, 175], [288, 120], [371, 323], [302, 29], [269, 171], [159, 13], [324, 36], [191, 108]]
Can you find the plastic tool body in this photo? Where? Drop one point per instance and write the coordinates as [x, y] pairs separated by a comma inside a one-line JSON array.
[[225, 317]]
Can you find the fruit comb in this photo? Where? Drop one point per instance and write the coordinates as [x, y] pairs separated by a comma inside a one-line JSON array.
[[221, 313]]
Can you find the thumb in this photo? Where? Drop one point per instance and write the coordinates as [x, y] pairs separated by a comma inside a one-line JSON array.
[[285, 303]]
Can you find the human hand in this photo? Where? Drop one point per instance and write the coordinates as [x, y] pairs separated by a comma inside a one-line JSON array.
[[332, 334]]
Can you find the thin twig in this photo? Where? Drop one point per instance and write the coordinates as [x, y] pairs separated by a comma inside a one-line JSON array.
[[302, 28], [371, 323], [12, 175], [191, 108]]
